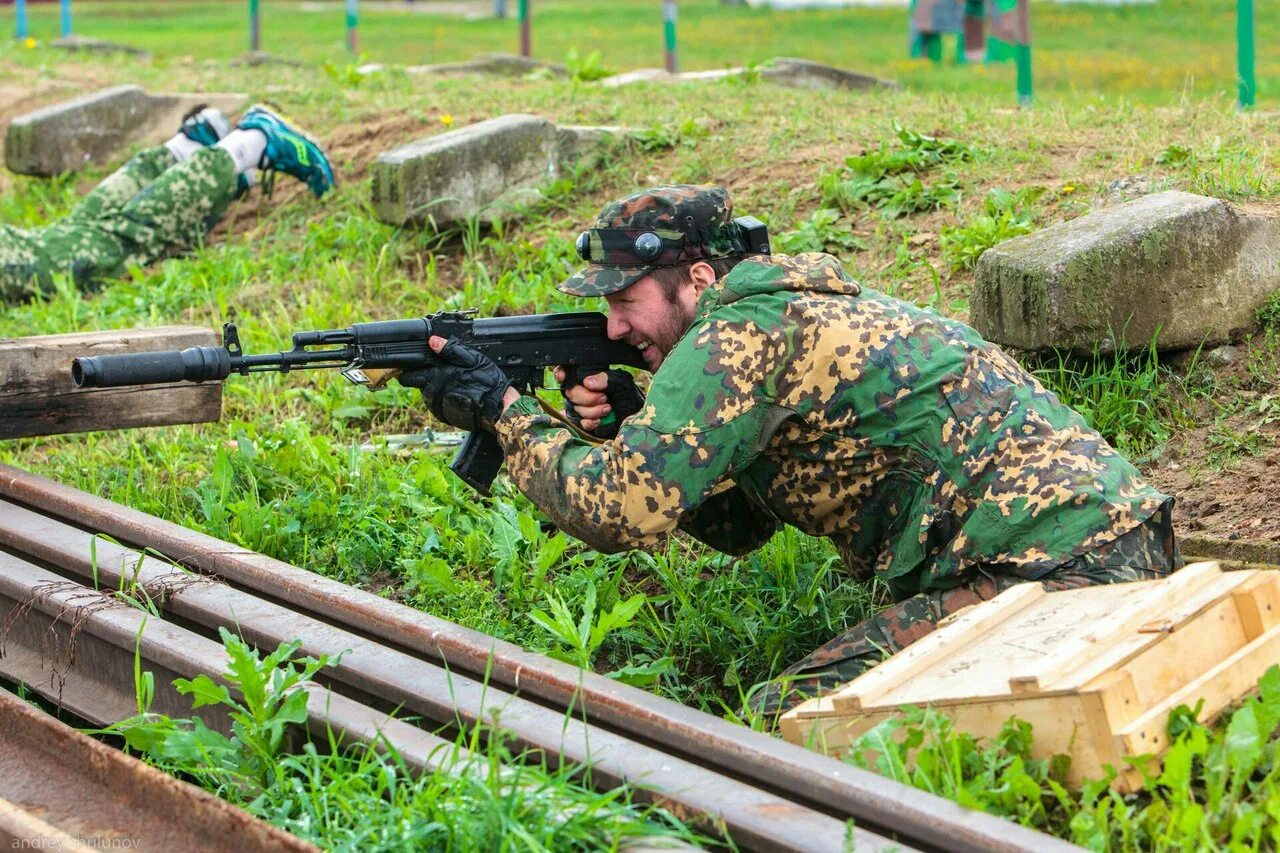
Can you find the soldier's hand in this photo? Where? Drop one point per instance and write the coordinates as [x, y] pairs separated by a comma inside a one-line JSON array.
[[599, 395], [465, 390]]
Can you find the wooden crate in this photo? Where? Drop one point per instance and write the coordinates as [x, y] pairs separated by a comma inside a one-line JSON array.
[[37, 396], [1096, 671]]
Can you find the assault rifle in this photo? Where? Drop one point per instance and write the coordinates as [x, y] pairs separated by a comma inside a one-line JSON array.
[[370, 354]]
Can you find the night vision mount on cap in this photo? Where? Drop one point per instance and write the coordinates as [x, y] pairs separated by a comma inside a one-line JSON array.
[[754, 233], [627, 247]]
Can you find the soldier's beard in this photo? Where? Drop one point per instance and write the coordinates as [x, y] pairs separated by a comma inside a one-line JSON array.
[[667, 334]]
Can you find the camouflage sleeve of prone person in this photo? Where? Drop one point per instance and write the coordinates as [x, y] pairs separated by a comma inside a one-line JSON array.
[[706, 416], [730, 522]]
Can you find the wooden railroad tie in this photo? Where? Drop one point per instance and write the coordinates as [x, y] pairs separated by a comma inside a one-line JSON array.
[[37, 396], [1096, 671]]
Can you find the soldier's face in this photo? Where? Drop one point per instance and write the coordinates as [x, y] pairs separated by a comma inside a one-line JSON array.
[[644, 317]]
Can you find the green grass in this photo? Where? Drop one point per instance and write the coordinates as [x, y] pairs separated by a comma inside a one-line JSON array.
[[366, 797], [1143, 52], [1127, 397]]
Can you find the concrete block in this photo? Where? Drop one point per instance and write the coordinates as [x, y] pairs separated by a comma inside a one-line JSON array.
[[255, 58], [573, 141], [638, 75], [803, 74], [479, 170], [1190, 268], [66, 136], [92, 45], [495, 64], [791, 73]]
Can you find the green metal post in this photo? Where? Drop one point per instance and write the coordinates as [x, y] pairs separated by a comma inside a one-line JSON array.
[[1022, 53], [669, 33], [353, 42], [526, 36], [255, 26], [1244, 53]]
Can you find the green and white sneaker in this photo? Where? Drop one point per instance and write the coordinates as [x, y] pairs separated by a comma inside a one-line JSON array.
[[289, 150], [205, 125]]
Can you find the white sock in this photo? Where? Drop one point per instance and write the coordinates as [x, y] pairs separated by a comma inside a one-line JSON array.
[[246, 148], [181, 147]]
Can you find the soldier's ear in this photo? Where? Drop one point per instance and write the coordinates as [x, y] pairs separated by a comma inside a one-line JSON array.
[[703, 275]]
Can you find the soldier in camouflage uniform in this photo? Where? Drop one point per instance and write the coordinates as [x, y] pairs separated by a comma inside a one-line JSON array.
[[163, 199], [783, 392]]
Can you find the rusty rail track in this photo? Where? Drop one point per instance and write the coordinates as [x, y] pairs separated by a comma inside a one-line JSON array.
[[64, 790], [77, 646]]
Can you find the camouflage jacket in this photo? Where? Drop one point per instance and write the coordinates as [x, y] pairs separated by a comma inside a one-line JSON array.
[[797, 397]]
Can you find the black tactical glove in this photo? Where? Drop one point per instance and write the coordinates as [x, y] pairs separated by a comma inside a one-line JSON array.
[[625, 399], [465, 390]]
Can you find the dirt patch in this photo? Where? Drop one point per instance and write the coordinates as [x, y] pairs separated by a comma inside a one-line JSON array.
[[1235, 502], [351, 148], [797, 169], [1225, 470]]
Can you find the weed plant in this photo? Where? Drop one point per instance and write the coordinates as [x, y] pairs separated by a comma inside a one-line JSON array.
[[889, 179], [354, 796], [1005, 215]]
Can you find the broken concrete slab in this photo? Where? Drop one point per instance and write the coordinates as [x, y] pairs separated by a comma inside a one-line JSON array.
[[574, 141], [93, 45], [496, 64], [638, 75], [65, 137], [483, 170], [803, 74], [255, 58], [791, 73], [1190, 269]]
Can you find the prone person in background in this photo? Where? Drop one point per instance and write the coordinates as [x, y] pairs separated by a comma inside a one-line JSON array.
[[784, 392], [165, 199]]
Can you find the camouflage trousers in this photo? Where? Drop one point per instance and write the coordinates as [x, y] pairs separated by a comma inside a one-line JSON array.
[[147, 208], [1147, 552]]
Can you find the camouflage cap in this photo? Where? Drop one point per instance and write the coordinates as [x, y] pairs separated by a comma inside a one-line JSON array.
[[687, 223]]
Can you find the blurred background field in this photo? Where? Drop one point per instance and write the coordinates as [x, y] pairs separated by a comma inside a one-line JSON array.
[[1152, 52]]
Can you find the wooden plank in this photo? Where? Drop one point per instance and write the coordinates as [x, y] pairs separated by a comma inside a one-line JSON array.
[[1150, 598], [978, 666], [1258, 603], [863, 692], [1195, 604], [1181, 657], [1220, 686], [37, 396], [1111, 703]]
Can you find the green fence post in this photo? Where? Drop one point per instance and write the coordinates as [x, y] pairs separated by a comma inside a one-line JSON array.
[[255, 26], [669, 33], [526, 37], [1244, 53], [353, 43], [1022, 53], [20, 18], [66, 18]]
